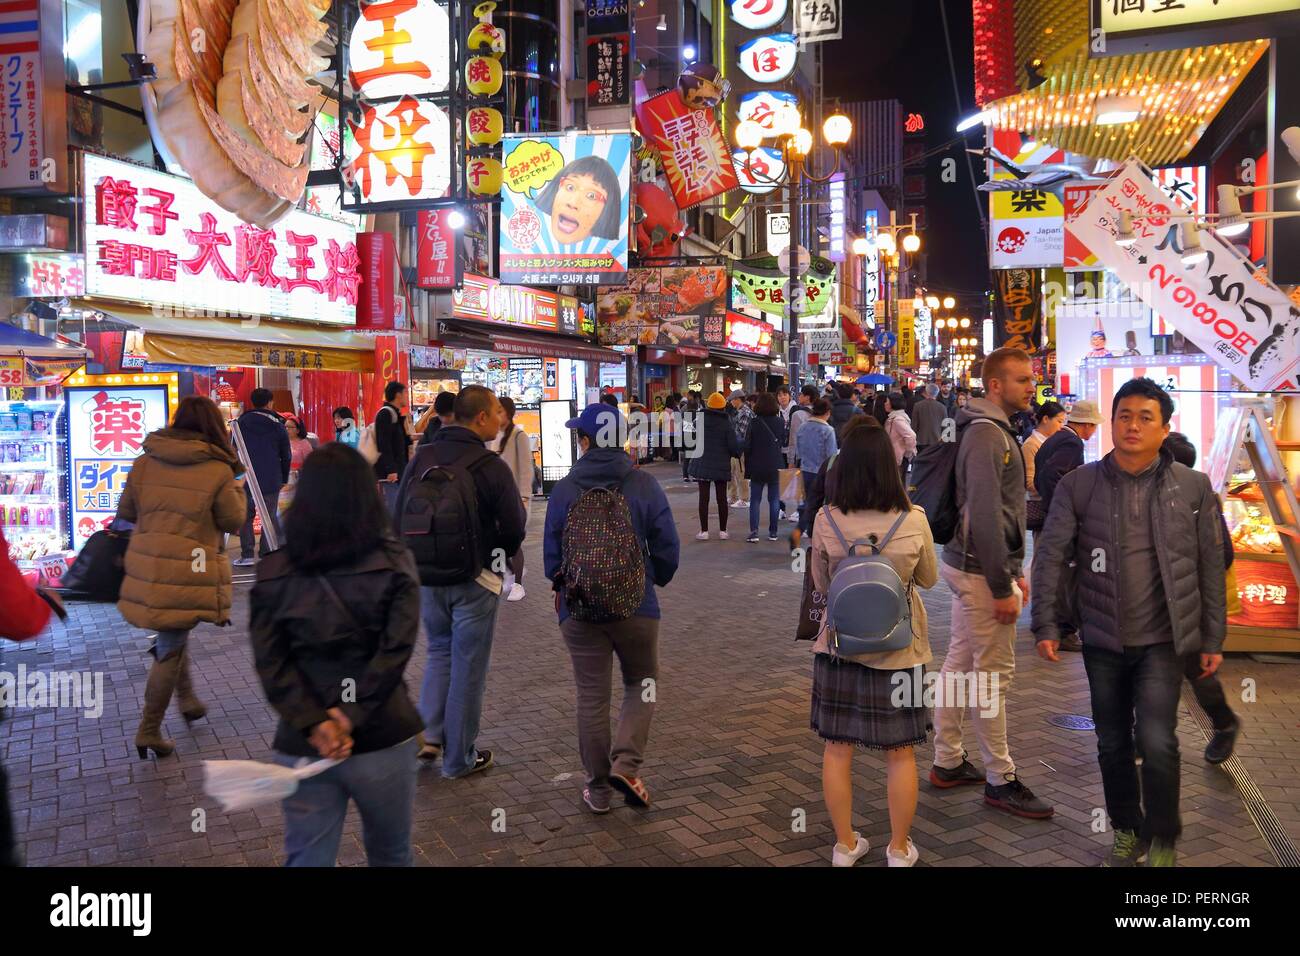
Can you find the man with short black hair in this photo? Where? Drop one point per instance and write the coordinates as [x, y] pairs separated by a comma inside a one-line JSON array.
[[392, 439], [982, 567], [444, 412], [843, 407], [267, 442], [459, 618], [1144, 534]]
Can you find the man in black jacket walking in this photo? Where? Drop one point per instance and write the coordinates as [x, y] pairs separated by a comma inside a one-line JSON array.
[[1146, 535], [267, 442], [459, 618], [1063, 452], [393, 441]]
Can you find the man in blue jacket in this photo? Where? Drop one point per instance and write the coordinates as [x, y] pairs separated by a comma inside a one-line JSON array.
[[267, 441], [604, 464]]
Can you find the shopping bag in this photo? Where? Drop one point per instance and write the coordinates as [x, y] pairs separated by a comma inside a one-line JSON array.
[[812, 609], [97, 573], [244, 784], [790, 487]]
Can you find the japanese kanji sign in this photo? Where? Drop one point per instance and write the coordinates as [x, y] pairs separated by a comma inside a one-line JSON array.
[[486, 300], [151, 237], [54, 275], [695, 157], [438, 264], [564, 208], [106, 432], [817, 20], [1018, 309], [400, 48], [758, 14], [33, 123], [398, 152], [769, 59], [1027, 227], [1249, 327], [609, 75], [1145, 25]]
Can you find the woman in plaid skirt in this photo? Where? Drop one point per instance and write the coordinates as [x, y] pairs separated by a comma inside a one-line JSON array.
[[876, 700]]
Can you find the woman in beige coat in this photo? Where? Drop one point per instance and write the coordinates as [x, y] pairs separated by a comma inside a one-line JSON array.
[[874, 701], [181, 495]]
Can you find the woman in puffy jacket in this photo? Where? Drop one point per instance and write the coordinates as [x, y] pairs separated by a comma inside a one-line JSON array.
[[709, 463], [334, 618], [182, 495], [763, 451]]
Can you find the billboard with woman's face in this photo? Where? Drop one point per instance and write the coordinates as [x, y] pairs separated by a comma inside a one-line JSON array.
[[564, 209]]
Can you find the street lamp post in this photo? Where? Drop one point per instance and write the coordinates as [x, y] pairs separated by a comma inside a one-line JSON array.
[[888, 241], [797, 143]]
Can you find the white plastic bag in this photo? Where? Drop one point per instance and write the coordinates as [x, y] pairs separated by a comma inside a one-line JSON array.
[[243, 784]]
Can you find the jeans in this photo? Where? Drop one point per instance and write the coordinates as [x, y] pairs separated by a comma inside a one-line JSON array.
[[635, 642], [381, 783], [388, 489], [805, 513], [1142, 682], [459, 620], [168, 643], [756, 489], [1209, 694], [271, 496]]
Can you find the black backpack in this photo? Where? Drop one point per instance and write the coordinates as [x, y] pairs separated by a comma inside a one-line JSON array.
[[934, 482], [439, 522]]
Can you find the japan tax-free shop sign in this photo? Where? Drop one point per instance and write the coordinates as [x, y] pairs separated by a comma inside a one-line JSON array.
[[107, 426], [154, 238], [564, 209]]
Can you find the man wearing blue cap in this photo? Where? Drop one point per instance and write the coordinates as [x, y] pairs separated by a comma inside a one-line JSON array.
[[595, 547]]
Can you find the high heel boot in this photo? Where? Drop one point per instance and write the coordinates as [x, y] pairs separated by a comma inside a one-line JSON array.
[[158, 691]]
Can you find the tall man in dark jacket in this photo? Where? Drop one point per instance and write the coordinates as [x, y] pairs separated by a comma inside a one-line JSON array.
[[1146, 533], [844, 407], [982, 566], [459, 618], [267, 441], [393, 441], [635, 640]]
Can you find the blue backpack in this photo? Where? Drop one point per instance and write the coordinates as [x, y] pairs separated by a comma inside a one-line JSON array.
[[868, 606]]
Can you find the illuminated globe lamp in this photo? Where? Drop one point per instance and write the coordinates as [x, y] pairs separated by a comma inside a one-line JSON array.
[[484, 175], [949, 302], [749, 135], [861, 246], [911, 243], [932, 301], [837, 129], [801, 143], [485, 126], [484, 76], [885, 243]]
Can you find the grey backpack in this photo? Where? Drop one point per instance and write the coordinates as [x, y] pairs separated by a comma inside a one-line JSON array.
[[868, 606]]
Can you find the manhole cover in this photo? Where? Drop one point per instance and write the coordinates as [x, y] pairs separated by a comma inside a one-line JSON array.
[[1071, 721]]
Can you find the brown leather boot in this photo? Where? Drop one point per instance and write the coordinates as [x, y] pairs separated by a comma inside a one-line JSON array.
[[191, 707], [157, 695]]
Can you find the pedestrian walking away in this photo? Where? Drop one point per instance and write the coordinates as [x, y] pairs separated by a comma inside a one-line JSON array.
[[928, 416], [459, 511], [609, 541], [816, 445], [516, 450], [392, 441], [982, 567], [763, 463], [267, 442], [333, 620], [1158, 600], [843, 407], [710, 464], [899, 429], [182, 495], [854, 696]]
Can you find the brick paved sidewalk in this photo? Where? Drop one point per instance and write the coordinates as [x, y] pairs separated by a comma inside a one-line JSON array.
[[732, 764]]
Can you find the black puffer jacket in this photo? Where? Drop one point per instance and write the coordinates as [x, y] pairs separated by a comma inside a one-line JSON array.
[[763, 448], [843, 409], [1187, 529], [711, 461], [305, 647]]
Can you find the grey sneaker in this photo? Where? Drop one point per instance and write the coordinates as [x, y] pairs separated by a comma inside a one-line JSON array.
[[244, 562], [1128, 850], [1017, 799]]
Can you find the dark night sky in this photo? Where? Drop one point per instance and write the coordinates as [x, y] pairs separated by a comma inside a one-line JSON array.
[[897, 50]]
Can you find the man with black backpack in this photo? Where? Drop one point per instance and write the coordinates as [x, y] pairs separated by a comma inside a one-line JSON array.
[[982, 559], [610, 539], [459, 512]]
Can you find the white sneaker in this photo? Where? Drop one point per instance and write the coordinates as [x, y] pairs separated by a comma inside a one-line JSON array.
[[843, 856], [742, 504], [782, 516], [244, 562], [909, 858], [702, 536], [723, 535], [517, 593]]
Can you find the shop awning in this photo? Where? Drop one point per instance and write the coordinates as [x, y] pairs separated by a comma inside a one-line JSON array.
[[522, 343], [16, 341], [265, 343], [750, 363]]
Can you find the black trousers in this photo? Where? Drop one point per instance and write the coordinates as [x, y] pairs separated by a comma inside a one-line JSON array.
[[8, 843]]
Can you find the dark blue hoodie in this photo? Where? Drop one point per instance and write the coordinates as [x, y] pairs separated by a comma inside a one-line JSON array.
[[268, 447], [652, 518]]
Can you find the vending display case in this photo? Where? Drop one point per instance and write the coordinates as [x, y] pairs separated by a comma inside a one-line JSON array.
[[34, 487]]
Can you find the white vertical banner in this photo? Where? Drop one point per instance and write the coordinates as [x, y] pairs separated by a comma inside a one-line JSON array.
[[1248, 326], [818, 20]]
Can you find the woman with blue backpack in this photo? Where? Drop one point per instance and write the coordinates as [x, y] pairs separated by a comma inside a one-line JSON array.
[[871, 550]]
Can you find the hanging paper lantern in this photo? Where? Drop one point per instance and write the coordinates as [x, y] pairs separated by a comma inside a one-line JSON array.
[[484, 126], [483, 76], [484, 175], [487, 40]]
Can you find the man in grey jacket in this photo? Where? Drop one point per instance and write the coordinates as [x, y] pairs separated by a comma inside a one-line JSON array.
[[1146, 535], [927, 418], [982, 567]]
